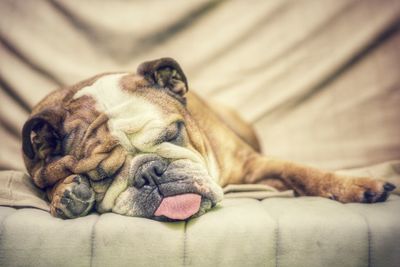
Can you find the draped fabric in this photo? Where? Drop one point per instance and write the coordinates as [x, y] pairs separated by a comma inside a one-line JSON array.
[[318, 79]]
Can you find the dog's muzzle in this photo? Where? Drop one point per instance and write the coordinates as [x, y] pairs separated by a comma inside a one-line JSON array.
[[177, 207], [150, 173], [166, 190]]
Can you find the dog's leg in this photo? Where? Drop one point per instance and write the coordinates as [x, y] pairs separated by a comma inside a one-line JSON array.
[[72, 197], [308, 181]]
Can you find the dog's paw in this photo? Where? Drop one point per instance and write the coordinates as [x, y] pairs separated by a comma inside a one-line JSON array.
[[363, 190], [72, 198]]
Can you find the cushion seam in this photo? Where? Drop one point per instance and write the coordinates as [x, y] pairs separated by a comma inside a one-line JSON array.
[[277, 243], [369, 235], [276, 232], [369, 240], [184, 244], [92, 239]]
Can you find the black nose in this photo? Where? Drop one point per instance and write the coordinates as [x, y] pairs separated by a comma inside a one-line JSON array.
[[150, 173]]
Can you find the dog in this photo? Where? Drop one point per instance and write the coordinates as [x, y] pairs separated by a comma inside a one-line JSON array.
[[140, 144]]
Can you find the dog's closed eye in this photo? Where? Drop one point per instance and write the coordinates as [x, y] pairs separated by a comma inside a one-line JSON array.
[[173, 133]]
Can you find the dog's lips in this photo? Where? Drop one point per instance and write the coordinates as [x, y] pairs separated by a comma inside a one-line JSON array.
[[179, 207]]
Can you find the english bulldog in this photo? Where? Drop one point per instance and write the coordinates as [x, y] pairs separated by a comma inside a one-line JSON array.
[[139, 144]]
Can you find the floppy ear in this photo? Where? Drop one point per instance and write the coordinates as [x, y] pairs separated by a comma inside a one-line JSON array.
[[41, 136], [165, 72]]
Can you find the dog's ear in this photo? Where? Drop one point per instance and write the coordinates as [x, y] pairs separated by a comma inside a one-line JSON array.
[[165, 72], [41, 135]]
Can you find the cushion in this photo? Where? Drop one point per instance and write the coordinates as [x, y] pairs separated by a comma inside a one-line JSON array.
[[253, 226]]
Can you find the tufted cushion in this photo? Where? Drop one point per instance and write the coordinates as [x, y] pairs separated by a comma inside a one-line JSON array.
[[253, 226], [307, 231]]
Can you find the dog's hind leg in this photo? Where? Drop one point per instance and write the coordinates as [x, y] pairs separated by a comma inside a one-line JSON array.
[[309, 181]]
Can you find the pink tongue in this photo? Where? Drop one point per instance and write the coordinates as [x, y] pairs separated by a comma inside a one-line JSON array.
[[179, 207]]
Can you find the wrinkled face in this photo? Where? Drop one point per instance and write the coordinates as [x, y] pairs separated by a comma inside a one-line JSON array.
[[157, 165], [134, 140]]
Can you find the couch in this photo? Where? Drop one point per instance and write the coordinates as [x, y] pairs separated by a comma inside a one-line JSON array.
[[319, 80]]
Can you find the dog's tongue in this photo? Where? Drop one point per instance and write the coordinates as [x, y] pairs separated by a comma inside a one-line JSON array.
[[179, 207]]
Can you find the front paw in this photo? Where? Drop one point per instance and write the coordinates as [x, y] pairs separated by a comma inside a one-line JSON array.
[[72, 198], [363, 190]]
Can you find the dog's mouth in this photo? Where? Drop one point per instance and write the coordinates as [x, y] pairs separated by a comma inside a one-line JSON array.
[[179, 207], [172, 201], [183, 191], [182, 207]]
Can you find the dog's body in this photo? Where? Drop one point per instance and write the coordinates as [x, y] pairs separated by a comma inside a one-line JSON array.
[[142, 145]]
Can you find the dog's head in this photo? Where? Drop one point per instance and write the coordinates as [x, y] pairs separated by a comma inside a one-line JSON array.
[[133, 137]]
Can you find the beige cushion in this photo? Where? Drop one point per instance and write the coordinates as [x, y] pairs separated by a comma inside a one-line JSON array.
[[318, 79], [253, 226]]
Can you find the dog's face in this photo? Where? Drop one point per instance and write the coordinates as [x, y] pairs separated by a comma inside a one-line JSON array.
[[132, 136]]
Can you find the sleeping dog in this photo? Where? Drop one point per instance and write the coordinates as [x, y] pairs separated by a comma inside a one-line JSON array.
[[140, 144]]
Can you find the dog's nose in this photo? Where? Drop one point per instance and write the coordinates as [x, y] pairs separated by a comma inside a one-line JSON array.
[[150, 173]]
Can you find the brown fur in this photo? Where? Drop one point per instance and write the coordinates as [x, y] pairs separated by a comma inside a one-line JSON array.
[[87, 147]]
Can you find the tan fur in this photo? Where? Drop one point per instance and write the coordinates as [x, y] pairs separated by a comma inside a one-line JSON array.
[[242, 164], [229, 147], [243, 129]]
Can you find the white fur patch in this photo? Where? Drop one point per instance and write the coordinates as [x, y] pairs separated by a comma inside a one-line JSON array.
[[137, 124], [133, 120], [128, 114]]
